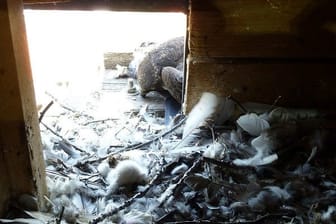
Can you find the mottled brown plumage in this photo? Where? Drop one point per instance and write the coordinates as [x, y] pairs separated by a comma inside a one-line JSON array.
[[162, 69]]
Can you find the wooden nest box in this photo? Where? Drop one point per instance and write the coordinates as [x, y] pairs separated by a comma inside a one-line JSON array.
[[253, 50]]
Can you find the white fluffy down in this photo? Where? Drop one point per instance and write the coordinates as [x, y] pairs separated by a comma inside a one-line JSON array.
[[127, 172]]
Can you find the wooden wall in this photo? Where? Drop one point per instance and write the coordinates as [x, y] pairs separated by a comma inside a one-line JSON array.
[[114, 5], [257, 50], [21, 159], [254, 50]]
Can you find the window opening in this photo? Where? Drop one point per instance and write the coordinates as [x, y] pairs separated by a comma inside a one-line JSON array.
[[96, 110]]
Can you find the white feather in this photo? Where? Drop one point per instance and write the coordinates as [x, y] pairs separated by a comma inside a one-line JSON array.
[[330, 214], [179, 169], [205, 107], [252, 124], [264, 147], [167, 194], [62, 186], [77, 201], [280, 193], [137, 217], [22, 220]]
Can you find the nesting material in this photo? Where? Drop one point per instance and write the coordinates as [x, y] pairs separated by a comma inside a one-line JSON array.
[[245, 173]]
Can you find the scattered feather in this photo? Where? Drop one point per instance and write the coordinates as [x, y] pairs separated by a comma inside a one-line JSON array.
[[264, 147], [179, 169], [329, 216], [205, 107], [22, 220], [252, 124], [137, 217]]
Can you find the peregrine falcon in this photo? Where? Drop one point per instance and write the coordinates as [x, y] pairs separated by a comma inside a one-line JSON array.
[[161, 70]]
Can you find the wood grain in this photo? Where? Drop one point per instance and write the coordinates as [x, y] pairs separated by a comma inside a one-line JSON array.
[[113, 5], [308, 85], [263, 28], [20, 144]]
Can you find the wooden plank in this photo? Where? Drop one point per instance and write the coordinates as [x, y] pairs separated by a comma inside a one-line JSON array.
[[113, 5], [263, 28], [20, 144], [112, 59], [300, 84], [4, 186]]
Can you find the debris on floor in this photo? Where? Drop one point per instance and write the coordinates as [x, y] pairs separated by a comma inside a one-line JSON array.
[[225, 163]]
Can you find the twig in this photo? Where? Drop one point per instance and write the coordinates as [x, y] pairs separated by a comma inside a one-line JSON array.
[[97, 121], [59, 220], [140, 145], [274, 103], [238, 103], [61, 137], [57, 101], [180, 182], [45, 110], [227, 164], [48, 200], [66, 107], [312, 154]]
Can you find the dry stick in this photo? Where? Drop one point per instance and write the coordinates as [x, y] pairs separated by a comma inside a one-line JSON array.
[[97, 121], [274, 103], [238, 103], [59, 220], [65, 140], [180, 182], [57, 101], [227, 164], [66, 107], [137, 145], [45, 110], [127, 203]]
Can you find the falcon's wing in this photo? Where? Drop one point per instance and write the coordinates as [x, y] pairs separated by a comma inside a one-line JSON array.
[[172, 80]]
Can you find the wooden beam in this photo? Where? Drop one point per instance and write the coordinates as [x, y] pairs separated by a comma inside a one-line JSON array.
[[113, 5], [20, 145], [304, 84], [256, 50], [263, 28]]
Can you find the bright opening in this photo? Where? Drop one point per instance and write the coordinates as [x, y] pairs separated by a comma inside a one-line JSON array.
[[67, 48], [93, 131]]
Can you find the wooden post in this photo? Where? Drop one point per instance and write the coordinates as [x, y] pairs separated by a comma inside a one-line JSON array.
[[21, 159]]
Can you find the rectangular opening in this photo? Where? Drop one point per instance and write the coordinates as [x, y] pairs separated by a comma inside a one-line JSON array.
[[67, 48], [84, 67]]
